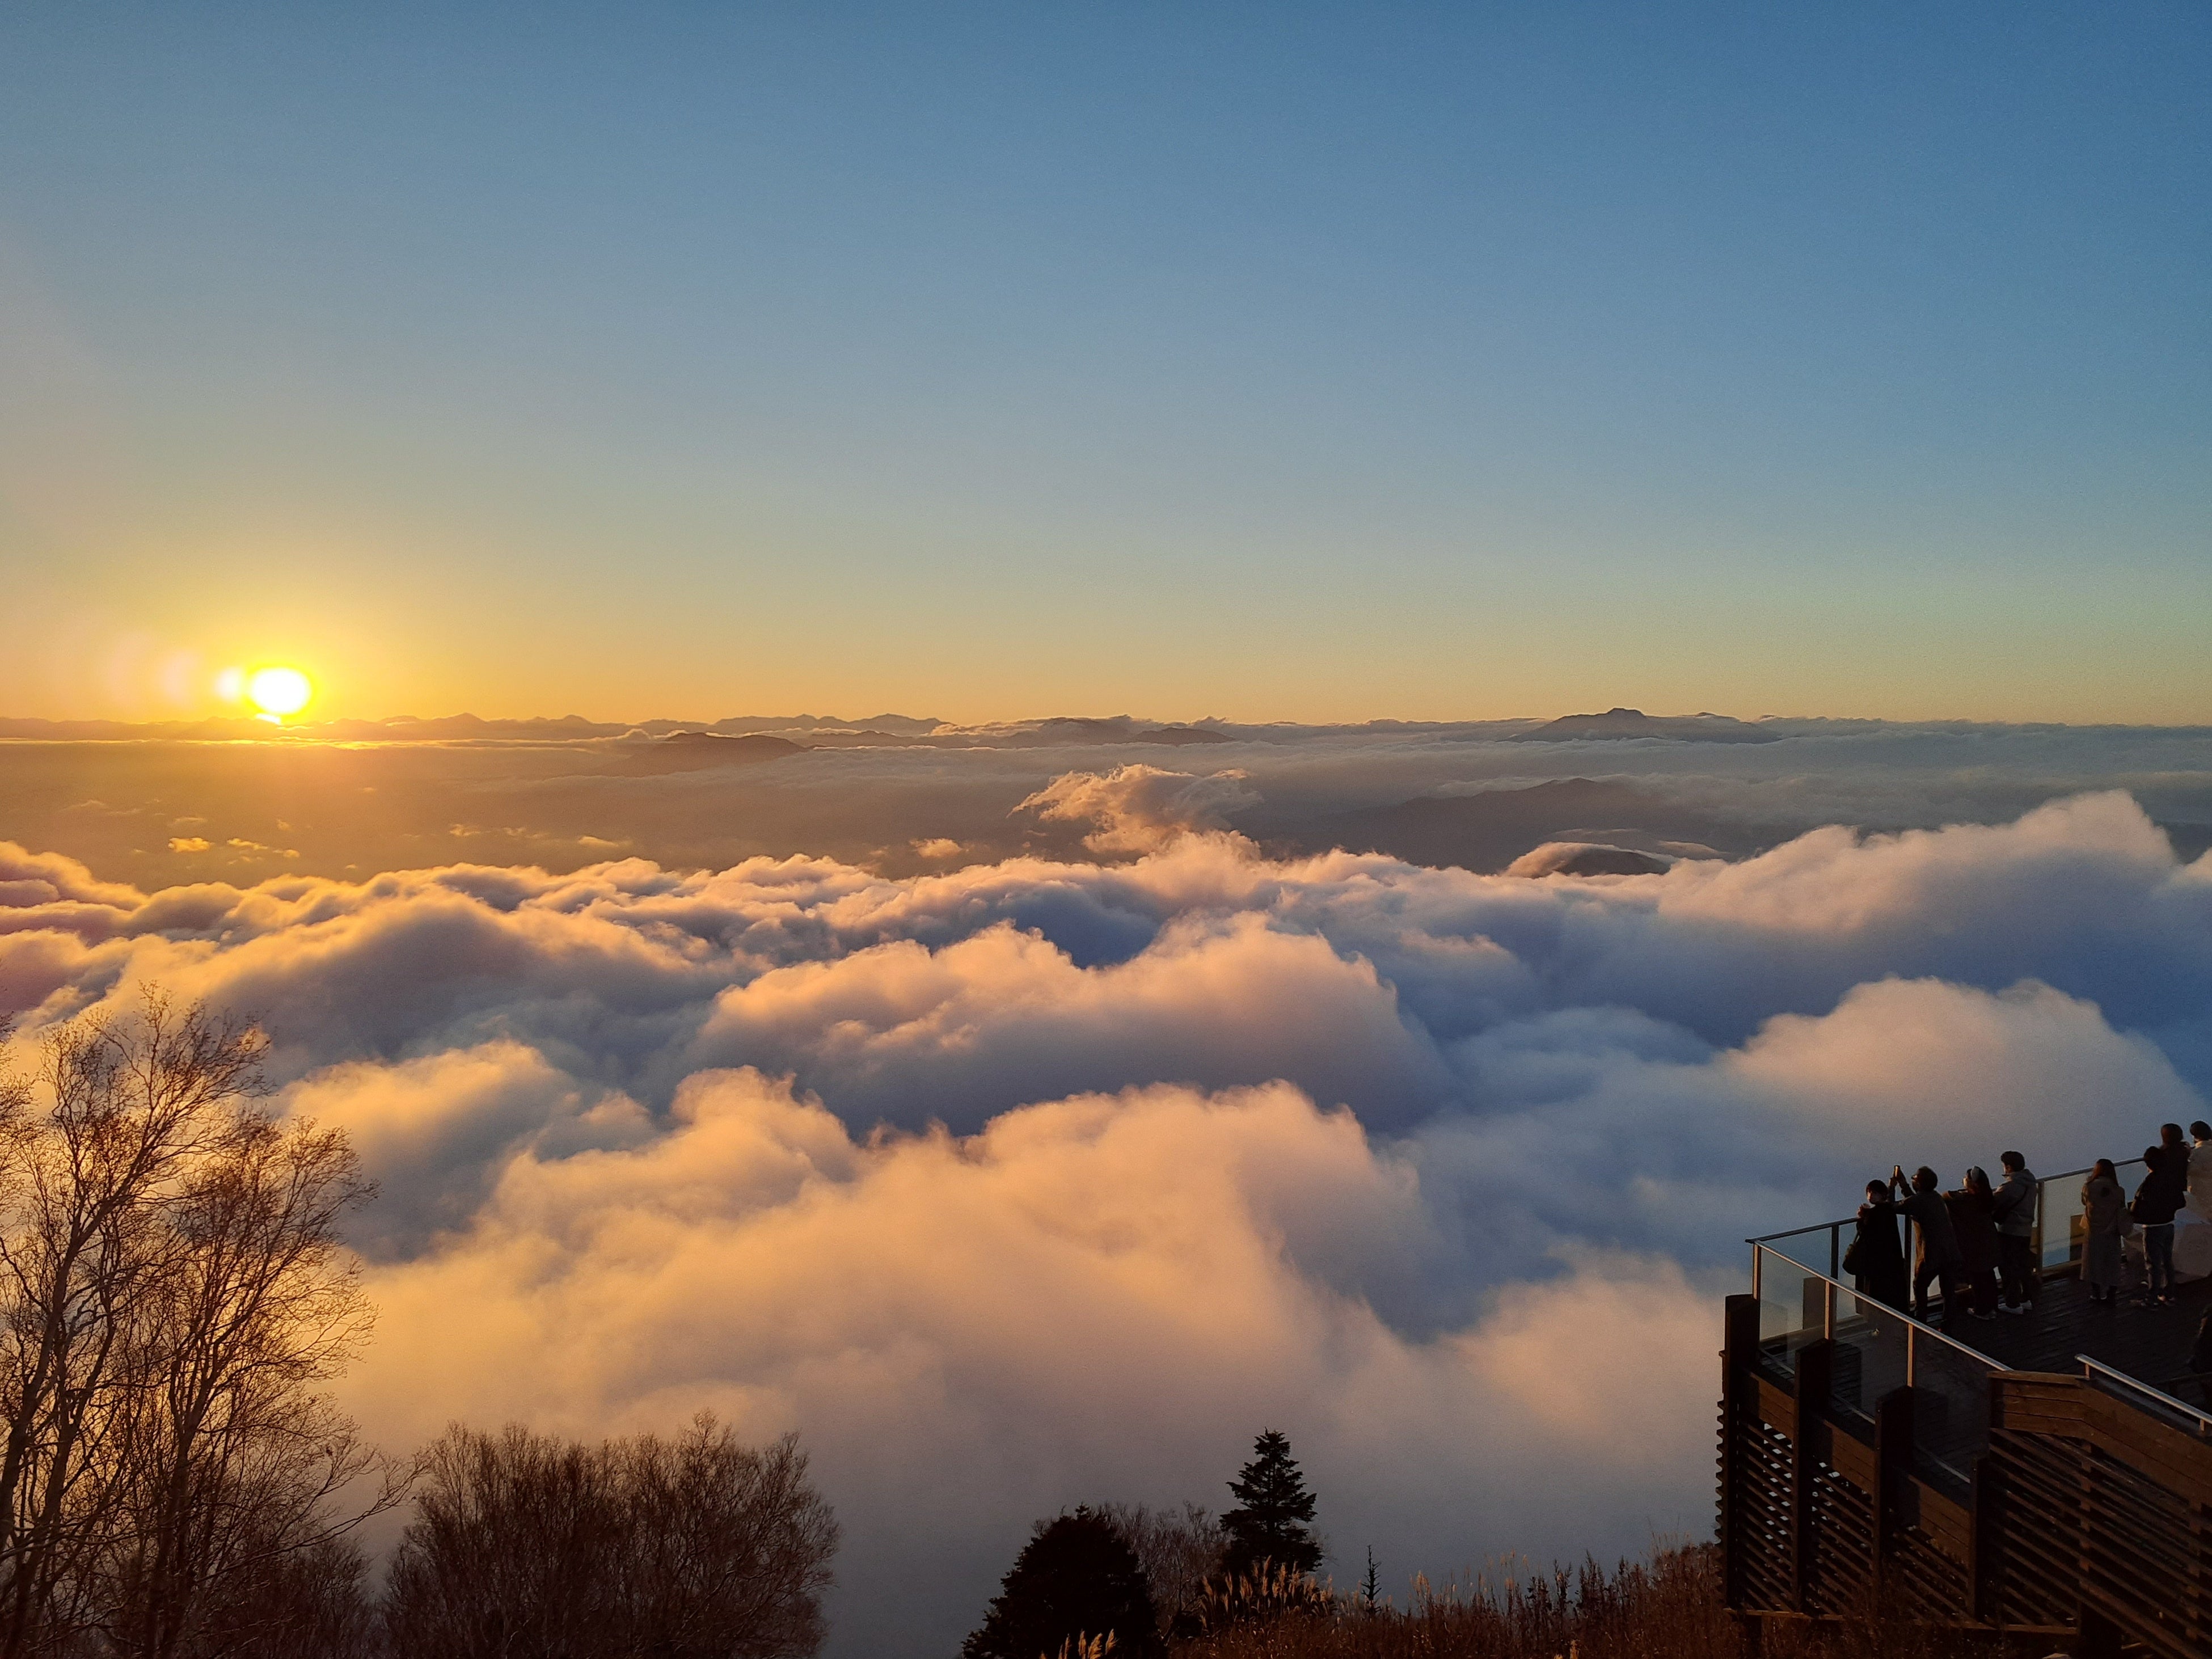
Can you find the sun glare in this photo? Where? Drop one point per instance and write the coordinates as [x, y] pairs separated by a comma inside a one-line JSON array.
[[277, 692]]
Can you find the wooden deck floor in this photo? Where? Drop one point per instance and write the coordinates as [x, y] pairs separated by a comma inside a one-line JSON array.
[[2151, 1345]]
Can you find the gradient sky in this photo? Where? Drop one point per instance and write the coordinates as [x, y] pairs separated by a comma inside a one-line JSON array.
[[1285, 362]]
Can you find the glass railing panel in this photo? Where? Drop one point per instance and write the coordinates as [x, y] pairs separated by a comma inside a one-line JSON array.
[[1819, 1249], [2061, 1221], [2062, 1227], [1869, 1355], [1950, 1404], [1793, 1309], [2161, 1403]]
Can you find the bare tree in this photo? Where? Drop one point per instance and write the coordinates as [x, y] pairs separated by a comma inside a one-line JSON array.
[[232, 1458], [308, 1603], [1180, 1548], [697, 1548], [171, 1288]]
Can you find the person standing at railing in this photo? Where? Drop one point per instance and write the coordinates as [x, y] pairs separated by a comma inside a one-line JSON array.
[[2200, 1169], [1973, 1223], [2157, 1202], [2104, 1206], [1922, 1200], [1876, 1260], [2014, 1206]]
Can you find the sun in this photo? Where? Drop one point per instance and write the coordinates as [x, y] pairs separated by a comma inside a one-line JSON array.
[[277, 692]]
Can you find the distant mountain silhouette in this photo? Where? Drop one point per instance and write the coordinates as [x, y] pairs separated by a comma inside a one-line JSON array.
[[409, 727], [882, 727], [1488, 829], [691, 751], [448, 729], [1119, 728], [1617, 723]]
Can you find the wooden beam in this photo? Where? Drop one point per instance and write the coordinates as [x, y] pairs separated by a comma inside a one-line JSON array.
[[1893, 1481], [1815, 1368], [1738, 1349]]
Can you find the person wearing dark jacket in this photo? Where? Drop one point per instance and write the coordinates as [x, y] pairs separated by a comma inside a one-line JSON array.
[[2104, 1212], [2157, 1202], [2017, 1197], [1877, 1260], [1921, 1200], [1973, 1223]]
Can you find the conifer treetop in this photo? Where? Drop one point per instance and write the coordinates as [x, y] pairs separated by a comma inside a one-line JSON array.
[[1271, 1522]]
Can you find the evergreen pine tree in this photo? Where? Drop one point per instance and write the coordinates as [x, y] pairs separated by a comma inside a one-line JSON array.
[[1075, 1578], [1271, 1523]]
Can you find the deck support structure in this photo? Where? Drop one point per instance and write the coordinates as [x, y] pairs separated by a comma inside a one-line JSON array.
[[2078, 1519]]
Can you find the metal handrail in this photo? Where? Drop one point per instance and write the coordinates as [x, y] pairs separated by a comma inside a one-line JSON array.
[[2037, 1232], [2092, 1369], [1913, 1329], [2094, 1372], [2041, 1182]]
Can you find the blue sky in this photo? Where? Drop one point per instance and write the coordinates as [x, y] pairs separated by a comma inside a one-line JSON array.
[[1310, 362]]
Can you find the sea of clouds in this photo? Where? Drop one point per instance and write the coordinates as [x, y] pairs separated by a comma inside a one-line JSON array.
[[1051, 1180]]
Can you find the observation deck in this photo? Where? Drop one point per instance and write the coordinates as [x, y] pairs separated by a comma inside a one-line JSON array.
[[2048, 1474]]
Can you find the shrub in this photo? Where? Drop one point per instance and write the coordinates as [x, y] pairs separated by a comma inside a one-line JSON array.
[[1668, 1607], [1075, 1581]]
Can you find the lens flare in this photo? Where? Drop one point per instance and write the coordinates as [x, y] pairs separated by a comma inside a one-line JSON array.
[[277, 692]]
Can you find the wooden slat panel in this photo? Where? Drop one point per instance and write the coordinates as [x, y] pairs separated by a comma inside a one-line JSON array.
[[2175, 1460], [2143, 1559], [1778, 1408], [1842, 1565], [1761, 1511], [2085, 1497], [2028, 1403], [2069, 1426], [1852, 1458], [1949, 1526], [1934, 1584]]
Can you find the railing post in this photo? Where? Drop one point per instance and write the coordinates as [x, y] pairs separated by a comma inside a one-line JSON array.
[[1985, 1531], [1893, 1478], [1835, 1250], [1815, 1371], [1738, 1392], [1986, 1499], [2035, 1230]]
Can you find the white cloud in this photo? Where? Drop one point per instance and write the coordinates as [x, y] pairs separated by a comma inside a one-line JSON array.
[[1364, 1150], [1101, 1296], [1141, 808]]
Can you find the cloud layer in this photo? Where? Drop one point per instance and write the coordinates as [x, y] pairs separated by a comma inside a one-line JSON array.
[[164, 811], [1044, 1180]]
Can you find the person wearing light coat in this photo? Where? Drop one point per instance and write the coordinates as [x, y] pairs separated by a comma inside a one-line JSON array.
[[2200, 1169]]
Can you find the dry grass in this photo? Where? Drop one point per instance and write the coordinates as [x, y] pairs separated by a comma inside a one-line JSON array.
[[1668, 1607]]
